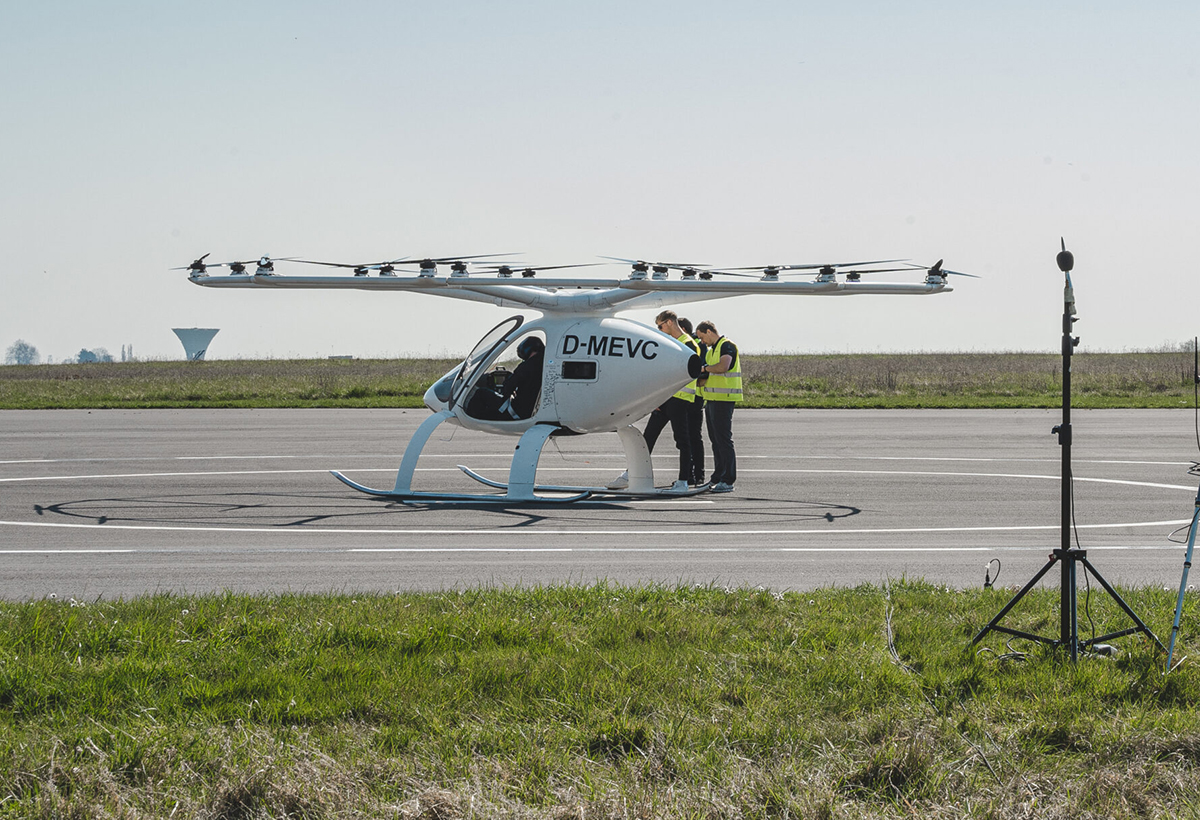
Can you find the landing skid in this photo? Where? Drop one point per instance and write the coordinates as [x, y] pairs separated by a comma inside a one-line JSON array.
[[591, 492], [521, 487], [460, 498]]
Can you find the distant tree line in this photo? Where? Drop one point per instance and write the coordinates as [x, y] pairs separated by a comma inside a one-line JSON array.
[[22, 352], [97, 354]]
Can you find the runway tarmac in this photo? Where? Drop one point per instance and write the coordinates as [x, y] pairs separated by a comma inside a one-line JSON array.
[[117, 504]]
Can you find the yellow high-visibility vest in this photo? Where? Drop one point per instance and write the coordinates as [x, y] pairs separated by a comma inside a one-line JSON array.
[[688, 391], [722, 386]]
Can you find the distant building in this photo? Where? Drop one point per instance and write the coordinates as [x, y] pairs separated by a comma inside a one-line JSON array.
[[195, 340]]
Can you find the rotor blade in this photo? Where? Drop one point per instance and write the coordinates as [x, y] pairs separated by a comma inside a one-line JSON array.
[[342, 264], [652, 263], [559, 267], [841, 264], [731, 272], [943, 271], [329, 264], [518, 267], [440, 259], [404, 259], [815, 266], [872, 270]]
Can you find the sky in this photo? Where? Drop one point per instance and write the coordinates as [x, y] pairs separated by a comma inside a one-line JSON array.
[[138, 136]]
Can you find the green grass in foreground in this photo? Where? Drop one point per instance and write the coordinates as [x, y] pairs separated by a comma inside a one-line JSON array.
[[813, 381], [597, 702]]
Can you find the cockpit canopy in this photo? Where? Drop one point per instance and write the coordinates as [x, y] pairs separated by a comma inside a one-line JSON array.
[[480, 356]]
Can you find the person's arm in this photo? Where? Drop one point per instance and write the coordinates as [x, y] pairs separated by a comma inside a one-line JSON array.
[[723, 365], [513, 382]]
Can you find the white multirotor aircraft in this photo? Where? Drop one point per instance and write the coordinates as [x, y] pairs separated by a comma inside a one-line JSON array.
[[599, 372]]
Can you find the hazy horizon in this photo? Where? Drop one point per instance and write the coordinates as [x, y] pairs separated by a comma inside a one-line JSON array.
[[1166, 348]]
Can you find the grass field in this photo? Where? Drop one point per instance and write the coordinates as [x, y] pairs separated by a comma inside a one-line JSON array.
[[815, 381], [596, 702]]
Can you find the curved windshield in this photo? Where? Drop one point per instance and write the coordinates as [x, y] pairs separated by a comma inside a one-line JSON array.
[[480, 354]]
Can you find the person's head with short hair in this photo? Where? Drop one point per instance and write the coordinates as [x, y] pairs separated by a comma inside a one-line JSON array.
[[668, 323], [707, 332], [686, 324]]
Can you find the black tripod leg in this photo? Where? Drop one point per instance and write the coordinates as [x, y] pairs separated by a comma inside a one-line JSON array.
[[1120, 601], [1025, 589]]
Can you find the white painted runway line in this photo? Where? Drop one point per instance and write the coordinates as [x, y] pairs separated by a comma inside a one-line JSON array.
[[584, 457], [936, 473], [558, 532], [565, 550]]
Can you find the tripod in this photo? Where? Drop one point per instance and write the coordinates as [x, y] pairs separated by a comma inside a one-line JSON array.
[[1067, 557]]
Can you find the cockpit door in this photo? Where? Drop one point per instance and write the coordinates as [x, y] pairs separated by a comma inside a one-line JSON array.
[[479, 357]]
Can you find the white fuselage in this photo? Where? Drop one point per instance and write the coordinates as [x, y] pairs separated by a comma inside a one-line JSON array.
[[598, 375]]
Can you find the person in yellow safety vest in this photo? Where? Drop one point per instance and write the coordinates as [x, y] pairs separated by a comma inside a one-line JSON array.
[[696, 414], [721, 387], [675, 411]]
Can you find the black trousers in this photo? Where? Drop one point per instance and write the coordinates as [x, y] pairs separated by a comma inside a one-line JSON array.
[[719, 415], [674, 411], [696, 428]]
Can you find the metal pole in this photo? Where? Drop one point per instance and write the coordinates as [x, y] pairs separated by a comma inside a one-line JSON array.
[[1068, 623], [1187, 564]]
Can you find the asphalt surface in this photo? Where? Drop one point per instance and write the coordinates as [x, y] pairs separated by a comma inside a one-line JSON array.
[[117, 504]]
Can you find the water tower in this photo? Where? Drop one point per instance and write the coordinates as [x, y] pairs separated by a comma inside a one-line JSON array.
[[195, 340]]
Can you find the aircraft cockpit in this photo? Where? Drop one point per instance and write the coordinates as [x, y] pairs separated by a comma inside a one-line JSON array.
[[488, 385]]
